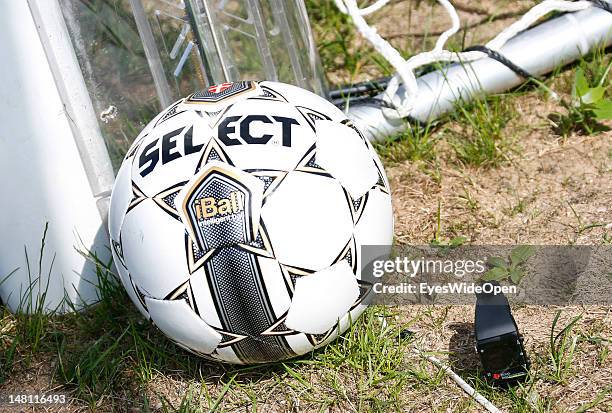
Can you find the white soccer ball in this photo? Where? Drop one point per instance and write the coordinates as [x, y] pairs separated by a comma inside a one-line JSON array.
[[237, 220]]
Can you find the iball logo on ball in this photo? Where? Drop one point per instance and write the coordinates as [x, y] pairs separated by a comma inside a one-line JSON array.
[[219, 206], [209, 207]]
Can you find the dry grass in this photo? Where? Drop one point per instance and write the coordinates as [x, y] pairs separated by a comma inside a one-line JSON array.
[[549, 190], [546, 194], [449, 331]]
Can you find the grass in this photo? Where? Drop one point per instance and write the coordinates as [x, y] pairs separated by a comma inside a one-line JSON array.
[[109, 358], [417, 143], [562, 348], [108, 353], [481, 138], [27, 328]]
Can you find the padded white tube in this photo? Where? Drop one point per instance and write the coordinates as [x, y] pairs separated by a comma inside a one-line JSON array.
[[54, 165]]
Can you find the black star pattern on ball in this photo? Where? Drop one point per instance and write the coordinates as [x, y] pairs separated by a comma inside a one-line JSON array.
[[213, 152], [171, 112], [291, 274], [278, 328], [271, 178], [261, 245], [213, 118], [118, 248], [356, 206], [380, 184], [351, 125], [269, 94], [165, 199], [184, 292], [308, 164], [365, 288], [137, 197], [349, 254], [229, 338], [318, 339], [196, 258], [135, 147], [139, 293], [311, 116]]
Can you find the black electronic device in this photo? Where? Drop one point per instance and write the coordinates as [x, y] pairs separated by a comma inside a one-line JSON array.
[[498, 341]]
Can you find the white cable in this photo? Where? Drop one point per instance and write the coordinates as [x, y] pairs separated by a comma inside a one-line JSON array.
[[383, 47], [402, 105], [484, 402], [533, 15], [379, 4]]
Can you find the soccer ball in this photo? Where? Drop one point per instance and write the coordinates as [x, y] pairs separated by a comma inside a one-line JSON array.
[[237, 220]]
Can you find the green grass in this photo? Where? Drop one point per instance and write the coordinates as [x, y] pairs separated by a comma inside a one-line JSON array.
[[109, 352], [480, 137], [109, 357], [417, 143], [562, 348], [28, 326]]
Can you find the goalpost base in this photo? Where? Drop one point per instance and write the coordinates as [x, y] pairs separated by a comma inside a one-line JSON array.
[[539, 51]]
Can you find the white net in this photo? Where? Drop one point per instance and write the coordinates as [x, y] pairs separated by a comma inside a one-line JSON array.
[[399, 106]]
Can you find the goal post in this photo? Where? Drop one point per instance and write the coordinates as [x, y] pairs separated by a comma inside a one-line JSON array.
[[538, 50]]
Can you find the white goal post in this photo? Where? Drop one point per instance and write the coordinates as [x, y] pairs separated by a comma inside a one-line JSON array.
[[537, 51]]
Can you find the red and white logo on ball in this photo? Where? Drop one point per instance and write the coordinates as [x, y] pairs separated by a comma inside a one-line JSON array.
[[222, 91], [220, 88]]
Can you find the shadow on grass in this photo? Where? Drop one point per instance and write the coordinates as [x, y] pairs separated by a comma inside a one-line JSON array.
[[462, 356]]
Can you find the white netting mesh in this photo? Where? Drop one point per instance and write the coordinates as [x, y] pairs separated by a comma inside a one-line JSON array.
[[402, 105]]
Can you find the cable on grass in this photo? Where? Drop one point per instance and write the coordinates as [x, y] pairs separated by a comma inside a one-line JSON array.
[[483, 401]]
